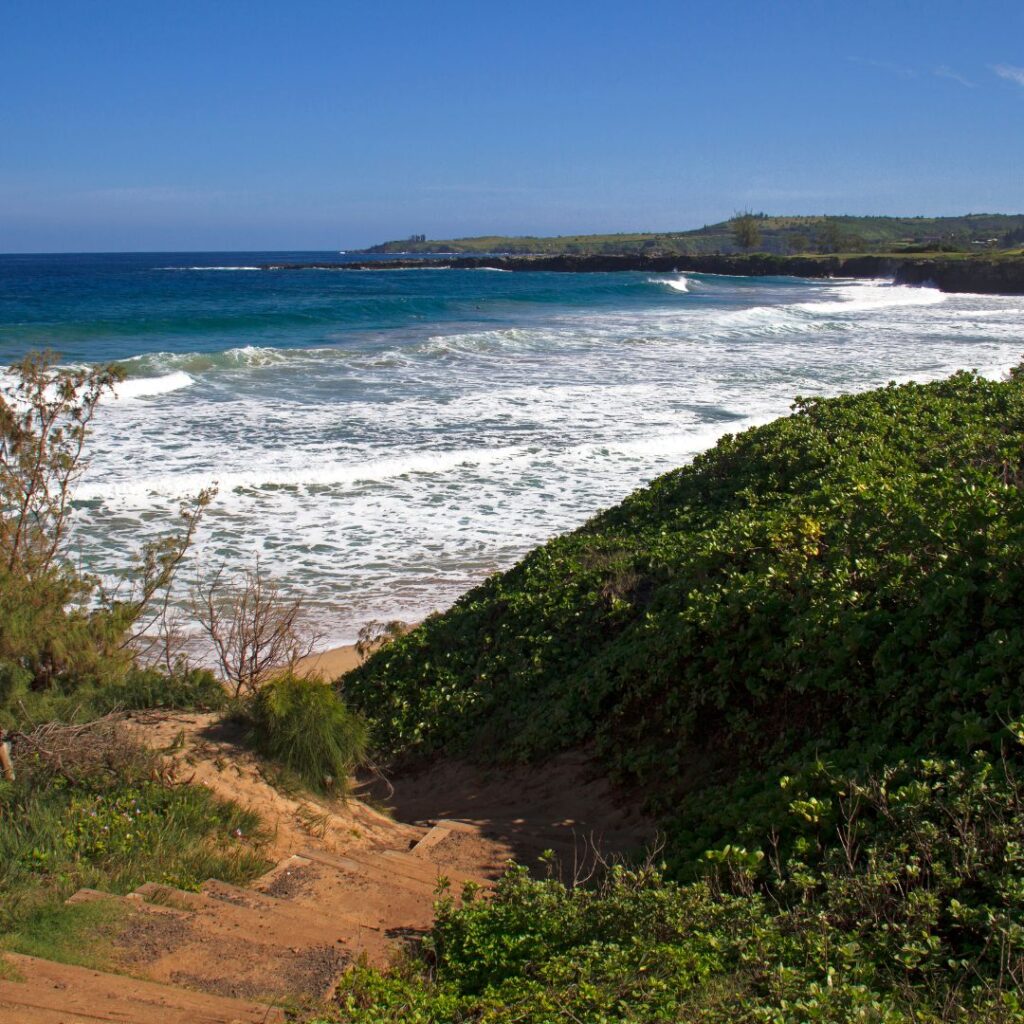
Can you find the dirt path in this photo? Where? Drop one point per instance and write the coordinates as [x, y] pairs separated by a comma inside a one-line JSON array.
[[350, 882], [565, 806], [205, 753]]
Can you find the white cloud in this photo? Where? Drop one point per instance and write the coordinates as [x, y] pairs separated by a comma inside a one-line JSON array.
[[1009, 72], [954, 76], [884, 65]]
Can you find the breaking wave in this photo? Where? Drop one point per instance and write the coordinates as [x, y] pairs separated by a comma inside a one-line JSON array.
[[147, 387], [677, 284]]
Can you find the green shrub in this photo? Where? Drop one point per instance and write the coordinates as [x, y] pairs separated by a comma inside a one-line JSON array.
[[137, 689], [191, 689], [302, 724], [901, 904], [846, 581]]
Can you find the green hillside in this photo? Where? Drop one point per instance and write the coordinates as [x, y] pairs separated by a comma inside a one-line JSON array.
[[846, 579], [973, 232], [805, 651]]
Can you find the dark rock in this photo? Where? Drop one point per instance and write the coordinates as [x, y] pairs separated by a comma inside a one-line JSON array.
[[981, 274]]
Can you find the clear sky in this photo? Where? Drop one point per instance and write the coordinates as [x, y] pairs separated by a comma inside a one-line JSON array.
[[326, 124]]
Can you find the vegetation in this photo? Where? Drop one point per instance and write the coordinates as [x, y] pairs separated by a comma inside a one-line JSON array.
[[302, 724], [805, 651], [780, 235], [138, 689], [899, 902], [91, 808], [746, 232]]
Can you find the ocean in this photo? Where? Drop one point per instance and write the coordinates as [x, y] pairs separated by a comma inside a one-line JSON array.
[[384, 440]]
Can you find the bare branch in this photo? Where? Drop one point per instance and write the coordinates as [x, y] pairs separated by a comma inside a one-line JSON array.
[[255, 630]]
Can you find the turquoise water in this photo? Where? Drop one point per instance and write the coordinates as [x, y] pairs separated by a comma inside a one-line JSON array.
[[385, 439]]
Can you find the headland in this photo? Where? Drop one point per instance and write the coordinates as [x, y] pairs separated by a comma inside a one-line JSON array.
[[978, 273]]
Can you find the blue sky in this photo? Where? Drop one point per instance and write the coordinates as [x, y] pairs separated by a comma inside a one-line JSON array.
[[326, 124]]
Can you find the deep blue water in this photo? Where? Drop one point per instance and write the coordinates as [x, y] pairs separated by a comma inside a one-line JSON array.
[[385, 439], [118, 305]]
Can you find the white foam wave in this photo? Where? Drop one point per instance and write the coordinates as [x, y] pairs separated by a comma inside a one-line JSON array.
[[677, 284], [870, 295], [314, 474], [209, 268], [147, 387]]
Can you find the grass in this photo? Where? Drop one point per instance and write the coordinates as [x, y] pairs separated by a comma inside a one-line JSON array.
[[82, 934], [109, 825], [8, 972], [139, 689], [302, 724]]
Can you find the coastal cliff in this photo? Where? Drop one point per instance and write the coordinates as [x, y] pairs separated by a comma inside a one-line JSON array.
[[982, 274]]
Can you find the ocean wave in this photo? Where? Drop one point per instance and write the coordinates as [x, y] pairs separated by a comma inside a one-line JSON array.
[[762, 321], [241, 357], [147, 387], [677, 284], [870, 295], [209, 268], [314, 474]]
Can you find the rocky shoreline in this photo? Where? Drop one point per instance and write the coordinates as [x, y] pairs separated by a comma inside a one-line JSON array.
[[988, 275]]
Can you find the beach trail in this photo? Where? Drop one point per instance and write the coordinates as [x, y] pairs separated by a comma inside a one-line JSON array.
[[352, 880]]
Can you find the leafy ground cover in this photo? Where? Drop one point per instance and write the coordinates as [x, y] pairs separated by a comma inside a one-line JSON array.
[[806, 648], [847, 580], [901, 902]]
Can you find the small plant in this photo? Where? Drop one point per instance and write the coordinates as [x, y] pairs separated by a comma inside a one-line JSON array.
[[255, 629], [375, 635], [303, 724]]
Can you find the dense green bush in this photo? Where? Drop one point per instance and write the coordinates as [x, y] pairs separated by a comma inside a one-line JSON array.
[[302, 724], [901, 902], [844, 581]]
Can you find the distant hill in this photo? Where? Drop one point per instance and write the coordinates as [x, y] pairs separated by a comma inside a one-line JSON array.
[[970, 233]]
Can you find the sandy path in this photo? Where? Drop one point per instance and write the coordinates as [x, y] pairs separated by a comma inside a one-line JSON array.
[[206, 753]]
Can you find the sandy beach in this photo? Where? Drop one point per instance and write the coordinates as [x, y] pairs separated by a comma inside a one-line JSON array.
[[330, 664]]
